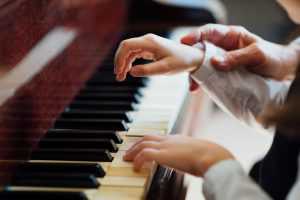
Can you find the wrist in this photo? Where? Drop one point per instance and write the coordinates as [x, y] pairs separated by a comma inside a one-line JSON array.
[[217, 155], [294, 49], [200, 48]]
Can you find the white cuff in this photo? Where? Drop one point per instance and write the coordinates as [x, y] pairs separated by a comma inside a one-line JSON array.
[[206, 69], [218, 175]]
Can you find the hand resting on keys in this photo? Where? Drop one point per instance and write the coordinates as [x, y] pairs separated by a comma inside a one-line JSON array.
[[186, 154]]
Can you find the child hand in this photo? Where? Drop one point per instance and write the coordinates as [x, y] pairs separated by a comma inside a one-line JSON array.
[[186, 154], [168, 57]]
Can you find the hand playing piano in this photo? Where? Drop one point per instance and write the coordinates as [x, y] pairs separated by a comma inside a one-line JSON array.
[[190, 155], [168, 57]]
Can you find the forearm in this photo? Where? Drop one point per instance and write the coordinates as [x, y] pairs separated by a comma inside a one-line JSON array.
[[239, 92]]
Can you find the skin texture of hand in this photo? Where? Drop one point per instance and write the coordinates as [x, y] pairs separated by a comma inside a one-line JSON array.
[[246, 49], [186, 154], [168, 57]]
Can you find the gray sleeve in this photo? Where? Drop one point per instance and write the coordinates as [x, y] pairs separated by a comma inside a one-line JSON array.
[[239, 93], [228, 181]]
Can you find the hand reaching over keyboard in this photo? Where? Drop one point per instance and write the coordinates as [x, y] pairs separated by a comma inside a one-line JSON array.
[[168, 57], [186, 154], [246, 49]]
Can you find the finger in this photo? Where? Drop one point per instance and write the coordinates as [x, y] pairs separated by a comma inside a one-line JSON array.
[[154, 138], [159, 67], [131, 154], [131, 57], [191, 38], [213, 33], [147, 155], [243, 57], [126, 48]]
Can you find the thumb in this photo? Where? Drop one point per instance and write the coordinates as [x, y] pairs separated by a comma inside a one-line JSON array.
[[233, 59], [190, 39]]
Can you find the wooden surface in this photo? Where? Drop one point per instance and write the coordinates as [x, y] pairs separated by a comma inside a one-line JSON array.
[[25, 24]]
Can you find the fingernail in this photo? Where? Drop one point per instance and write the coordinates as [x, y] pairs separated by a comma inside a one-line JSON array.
[[119, 77], [125, 157], [133, 73], [219, 59], [136, 169]]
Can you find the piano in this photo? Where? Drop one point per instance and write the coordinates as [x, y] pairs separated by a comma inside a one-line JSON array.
[[64, 121]]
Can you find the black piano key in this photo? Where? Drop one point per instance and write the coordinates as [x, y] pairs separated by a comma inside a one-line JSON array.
[[55, 180], [108, 77], [78, 144], [107, 83], [104, 105], [40, 195], [96, 155], [89, 114], [114, 89], [106, 96], [65, 168], [83, 134], [92, 124]]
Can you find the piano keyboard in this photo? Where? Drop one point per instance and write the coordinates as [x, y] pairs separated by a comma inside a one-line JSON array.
[[80, 157]]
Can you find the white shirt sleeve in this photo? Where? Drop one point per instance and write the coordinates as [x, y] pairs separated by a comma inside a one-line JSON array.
[[228, 181], [239, 93]]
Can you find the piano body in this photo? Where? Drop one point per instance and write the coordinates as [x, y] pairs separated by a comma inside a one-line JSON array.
[[64, 121]]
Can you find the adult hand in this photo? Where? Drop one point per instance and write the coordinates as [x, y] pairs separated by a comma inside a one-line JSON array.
[[168, 57], [246, 49], [187, 154]]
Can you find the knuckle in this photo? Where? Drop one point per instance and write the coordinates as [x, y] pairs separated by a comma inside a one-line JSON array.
[[143, 145], [239, 29], [147, 137], [150, 36], [209, 25], [145, 153], [143, 71], [257, 49], [165, 65], [124, 43], [258, 52]]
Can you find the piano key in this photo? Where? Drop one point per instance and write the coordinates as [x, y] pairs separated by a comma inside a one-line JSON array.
[[42, 195], [149, 125], [119, 167], [113, 89], [128, 142], [96, 155], [91, 124], [84, 134], [109, 77], [123, 181], [67, 168], [104, 105], [116, 193], [89, 114], [99, 83], [108, 144], [75, 180], [108, 97]]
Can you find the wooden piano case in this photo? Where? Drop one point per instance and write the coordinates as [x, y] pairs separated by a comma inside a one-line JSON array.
[[80, 36]]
